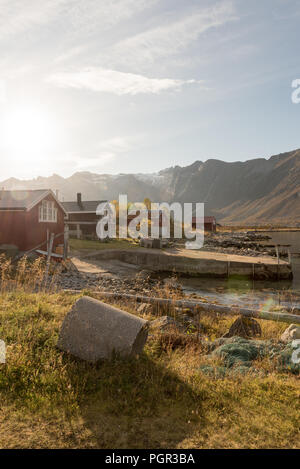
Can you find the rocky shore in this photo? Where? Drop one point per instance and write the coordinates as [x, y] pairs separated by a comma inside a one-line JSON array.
[[141, 283], [121, 277], [241, 243]]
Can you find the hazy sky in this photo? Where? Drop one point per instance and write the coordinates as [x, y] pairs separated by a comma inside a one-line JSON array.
[[140, 85]]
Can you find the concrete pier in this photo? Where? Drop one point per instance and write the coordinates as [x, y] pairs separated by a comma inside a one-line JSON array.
[[201, 263]]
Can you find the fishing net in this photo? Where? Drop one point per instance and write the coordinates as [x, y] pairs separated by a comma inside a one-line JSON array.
[[238, 354]]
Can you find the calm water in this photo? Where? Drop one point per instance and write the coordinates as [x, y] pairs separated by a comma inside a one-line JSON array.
[[254, 293]]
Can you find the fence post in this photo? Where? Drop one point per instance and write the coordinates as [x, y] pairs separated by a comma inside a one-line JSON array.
[[66, 241], [49, 256]]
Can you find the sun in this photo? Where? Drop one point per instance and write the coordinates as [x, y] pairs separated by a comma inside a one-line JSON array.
[[26, 133]]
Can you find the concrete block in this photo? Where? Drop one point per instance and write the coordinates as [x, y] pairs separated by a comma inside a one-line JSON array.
[[94, 330]]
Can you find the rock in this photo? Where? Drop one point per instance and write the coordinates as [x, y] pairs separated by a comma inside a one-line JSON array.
[[143, 274], [166, 323], [244, 327], [172, 284], [290, 334], [144, 308], [10, 250], [151, 243], [94, 330]]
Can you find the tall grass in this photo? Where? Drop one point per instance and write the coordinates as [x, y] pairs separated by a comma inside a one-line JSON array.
[[28, 275], [159, 400]]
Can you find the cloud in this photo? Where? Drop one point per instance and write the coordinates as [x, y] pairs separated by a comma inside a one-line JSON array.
[[118, 144], [2, 91], [16, 17], [91, 14], [79, 16], [172, 38], [92, 164], [105, 152], [112, 81]]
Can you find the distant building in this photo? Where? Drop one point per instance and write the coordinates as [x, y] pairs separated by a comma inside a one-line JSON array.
[[210, 224], [82, 218], [28, 217]]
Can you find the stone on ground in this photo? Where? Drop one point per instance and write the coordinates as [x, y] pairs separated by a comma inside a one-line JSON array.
[[94, 330], [166, 323], [244, 327], [290, 334], [144, 308]]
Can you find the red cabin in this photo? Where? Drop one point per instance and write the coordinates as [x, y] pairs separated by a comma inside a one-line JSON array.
[[28, 217], [210, 224]]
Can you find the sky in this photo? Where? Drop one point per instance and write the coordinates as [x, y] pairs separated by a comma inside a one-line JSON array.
[[129, 86]]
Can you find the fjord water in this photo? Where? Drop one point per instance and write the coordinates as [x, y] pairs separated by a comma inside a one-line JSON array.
[[246, 292]]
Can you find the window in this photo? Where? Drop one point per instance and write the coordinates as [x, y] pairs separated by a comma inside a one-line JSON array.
[[48, 211]]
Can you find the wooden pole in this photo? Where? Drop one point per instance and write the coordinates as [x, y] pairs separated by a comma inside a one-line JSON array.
[[47, 239], [289, 256], [49, 255], [198, 305], [66, 241]]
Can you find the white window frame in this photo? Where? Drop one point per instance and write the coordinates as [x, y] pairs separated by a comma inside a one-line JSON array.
[[47, 212]]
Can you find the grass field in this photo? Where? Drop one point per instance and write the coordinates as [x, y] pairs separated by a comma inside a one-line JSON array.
[[85, 244], [159, 400]]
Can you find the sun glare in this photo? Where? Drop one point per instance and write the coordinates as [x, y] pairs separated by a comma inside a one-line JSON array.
[[27, 134]]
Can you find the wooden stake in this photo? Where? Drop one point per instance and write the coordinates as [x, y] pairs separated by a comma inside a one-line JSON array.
[[49, 255]]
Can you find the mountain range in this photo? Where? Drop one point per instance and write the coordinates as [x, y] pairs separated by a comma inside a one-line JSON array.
[[257, 191]]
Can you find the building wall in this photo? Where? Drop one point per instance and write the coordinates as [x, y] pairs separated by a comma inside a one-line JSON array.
[[37, 231], [86, 230], [78, 217], [13, 228], [24, 230], [209, 227]]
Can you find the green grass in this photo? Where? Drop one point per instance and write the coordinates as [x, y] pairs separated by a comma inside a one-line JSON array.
[[159, 400], [83, 244]]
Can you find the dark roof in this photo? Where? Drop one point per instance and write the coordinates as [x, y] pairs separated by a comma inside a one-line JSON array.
[[86, 206], [21, 199]]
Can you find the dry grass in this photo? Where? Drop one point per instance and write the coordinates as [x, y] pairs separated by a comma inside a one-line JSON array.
[[27, 275], [160, 400], [85, 244]]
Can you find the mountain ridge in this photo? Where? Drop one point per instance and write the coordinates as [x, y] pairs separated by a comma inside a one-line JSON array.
[[254, 191]]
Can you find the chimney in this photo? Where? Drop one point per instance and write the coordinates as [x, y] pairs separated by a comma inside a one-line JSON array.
[[56, 193], [79, 202]]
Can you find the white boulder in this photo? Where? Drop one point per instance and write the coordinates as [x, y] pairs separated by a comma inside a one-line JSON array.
[[290, 334]]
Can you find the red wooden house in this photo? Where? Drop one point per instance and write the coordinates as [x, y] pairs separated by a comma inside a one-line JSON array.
[[28, 217], [210, 224]]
